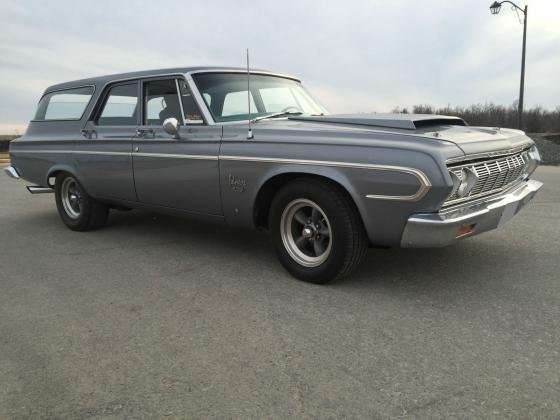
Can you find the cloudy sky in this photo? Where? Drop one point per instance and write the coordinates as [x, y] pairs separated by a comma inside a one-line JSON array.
[[353, 55]]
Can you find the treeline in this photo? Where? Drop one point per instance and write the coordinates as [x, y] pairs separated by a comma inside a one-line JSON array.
[[535, 120]]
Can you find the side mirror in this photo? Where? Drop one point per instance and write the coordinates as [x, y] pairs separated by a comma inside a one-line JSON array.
[[171, 126]]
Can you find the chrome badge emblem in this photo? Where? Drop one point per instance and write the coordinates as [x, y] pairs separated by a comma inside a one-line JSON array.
[[237, 184]]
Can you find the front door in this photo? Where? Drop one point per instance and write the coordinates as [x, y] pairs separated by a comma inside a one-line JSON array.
[[104, 152], [180, 173]]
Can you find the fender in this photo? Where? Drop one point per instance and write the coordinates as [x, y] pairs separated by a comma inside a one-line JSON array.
[[64, 167], [293, 171], [249, 183]]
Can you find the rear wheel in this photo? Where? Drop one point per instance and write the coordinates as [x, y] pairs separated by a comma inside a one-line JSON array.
[[76, 208], [317, 231]]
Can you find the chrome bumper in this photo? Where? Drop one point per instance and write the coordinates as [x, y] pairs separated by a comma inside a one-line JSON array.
[[33, 189], [444, 228], [11, 172]]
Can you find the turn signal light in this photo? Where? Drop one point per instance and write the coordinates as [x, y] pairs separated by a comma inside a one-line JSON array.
[[465, 230]]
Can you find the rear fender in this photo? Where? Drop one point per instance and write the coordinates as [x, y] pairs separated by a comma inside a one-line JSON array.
[[56, 169]]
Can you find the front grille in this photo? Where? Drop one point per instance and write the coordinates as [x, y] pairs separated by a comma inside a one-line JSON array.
[[494, 175]]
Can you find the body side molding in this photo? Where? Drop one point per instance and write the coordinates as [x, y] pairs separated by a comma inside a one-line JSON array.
[[425, 183]]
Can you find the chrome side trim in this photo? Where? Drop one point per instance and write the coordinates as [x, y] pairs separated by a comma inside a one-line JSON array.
[[11, 172], [425, 183], [73, 152], [175, 156], [93, 152], [414, 197], [33, 189], [423, 180]]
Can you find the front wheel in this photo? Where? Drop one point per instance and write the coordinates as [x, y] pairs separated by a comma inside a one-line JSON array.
[[317, 231], [76, 208]]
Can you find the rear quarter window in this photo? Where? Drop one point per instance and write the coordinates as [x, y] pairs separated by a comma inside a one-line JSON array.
[[68, 104]]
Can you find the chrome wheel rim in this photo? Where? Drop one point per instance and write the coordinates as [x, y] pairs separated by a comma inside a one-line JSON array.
[[306, 232], [71, 197]]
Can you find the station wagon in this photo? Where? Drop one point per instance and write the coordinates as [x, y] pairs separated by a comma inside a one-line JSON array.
[[255, 149]]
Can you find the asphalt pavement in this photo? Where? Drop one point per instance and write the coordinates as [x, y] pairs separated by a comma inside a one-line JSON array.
[[161, 317]]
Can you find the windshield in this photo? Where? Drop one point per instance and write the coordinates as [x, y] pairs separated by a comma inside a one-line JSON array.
[[225, 95]]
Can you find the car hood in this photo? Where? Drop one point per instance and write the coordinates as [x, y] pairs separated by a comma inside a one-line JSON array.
[[471, 140], [404, 121]]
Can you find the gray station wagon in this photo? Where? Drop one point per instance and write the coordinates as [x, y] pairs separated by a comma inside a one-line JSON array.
[[255, 149]]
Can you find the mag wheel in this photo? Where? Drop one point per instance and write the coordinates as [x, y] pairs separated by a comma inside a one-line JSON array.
[[71, 196], [317, 230], [306, 232], [76, 208]]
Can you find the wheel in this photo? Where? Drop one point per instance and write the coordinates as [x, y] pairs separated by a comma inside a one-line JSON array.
[[317, 231], [76, 208]]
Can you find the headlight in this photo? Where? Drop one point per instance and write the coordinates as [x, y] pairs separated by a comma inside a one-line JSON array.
[[533, 158], [463, 182]]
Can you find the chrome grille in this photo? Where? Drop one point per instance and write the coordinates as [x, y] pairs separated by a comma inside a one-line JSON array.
[[494, 175]]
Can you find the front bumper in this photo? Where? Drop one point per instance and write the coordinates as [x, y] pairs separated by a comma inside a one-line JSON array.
[[425, 230]]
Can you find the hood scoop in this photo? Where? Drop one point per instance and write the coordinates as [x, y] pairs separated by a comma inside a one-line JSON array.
[[403, 121]]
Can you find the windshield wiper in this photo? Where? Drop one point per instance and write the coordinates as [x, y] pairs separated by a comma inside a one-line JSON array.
[[276, 115]]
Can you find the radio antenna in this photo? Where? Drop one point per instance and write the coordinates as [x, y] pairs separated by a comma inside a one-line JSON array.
[[250, 132]]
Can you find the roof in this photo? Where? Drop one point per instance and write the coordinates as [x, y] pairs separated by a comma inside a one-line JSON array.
[[102, 80]]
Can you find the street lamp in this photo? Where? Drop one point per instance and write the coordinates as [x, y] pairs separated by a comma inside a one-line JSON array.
[[495, 9]]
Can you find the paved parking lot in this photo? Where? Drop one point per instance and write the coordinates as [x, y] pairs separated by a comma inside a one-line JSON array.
[[161, 317]]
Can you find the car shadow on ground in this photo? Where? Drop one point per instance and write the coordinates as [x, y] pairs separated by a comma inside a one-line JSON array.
[[439, 268], [469, 266]]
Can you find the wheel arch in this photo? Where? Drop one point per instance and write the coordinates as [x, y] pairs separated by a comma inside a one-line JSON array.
[[56, 169], [271, 184]]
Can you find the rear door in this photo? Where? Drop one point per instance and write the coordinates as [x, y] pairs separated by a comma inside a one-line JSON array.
[[180, 173], [104, 152]]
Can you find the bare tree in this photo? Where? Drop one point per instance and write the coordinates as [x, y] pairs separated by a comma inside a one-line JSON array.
[[535, 120]]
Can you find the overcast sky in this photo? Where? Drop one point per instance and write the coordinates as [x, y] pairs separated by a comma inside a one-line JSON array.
[[353, 55]]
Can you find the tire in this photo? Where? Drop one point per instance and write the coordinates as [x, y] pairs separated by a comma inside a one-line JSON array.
[[76, 208], [317, 231]]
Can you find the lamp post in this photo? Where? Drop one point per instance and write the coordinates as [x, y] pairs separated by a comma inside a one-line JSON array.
[[495, 9]]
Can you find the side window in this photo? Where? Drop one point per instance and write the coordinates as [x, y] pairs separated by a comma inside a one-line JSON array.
[[235, 103], [192, 113], [68, 104], [121, 106], [161, 102]]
